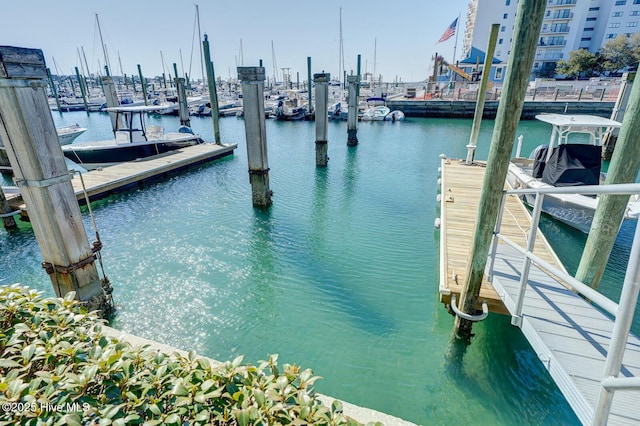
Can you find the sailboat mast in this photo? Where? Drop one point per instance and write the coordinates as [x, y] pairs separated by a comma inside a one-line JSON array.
[[341, 53], [275, 65], [375, 51], [104, 47], [200, 42], [241, 54]]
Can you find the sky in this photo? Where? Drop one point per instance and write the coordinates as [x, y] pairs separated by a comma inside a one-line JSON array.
[[401, 36]]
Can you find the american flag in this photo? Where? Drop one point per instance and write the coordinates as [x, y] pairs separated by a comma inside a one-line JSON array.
[[449, 31]]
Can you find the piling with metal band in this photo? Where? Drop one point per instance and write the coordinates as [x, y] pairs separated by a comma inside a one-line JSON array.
[[144, 85], [477, 116], [252, 79], [352, 117], [6, 213], [322, 118], [213, 95], [29, 134], [525, 40], [182, 102]]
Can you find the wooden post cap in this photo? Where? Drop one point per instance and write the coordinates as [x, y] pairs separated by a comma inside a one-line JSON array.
[[23, 63], [251, 73]]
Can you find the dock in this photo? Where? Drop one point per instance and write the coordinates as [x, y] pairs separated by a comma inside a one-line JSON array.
[[571, 336], [460, 186], [101, 183]]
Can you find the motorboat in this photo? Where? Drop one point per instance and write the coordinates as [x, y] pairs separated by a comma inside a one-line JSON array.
[[133, 140], [561, 163], [68, 134], [395, 115], [376, 113]]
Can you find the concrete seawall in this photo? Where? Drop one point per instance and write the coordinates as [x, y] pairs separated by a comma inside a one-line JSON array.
[[466, 109]]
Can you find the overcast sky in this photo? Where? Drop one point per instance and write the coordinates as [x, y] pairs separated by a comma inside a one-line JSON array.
[[402, 35]]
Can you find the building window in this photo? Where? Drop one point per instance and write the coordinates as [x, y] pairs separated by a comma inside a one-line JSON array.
[[611, 36], [502, 28], [505, 16], [508, 2], [500, 41], [614, 25], [635, 13], [536, 65], [591, 19], [632, 24], [585, 39], [620, 2], [498, 75], [616, 14], [636, 1], [593, 9]]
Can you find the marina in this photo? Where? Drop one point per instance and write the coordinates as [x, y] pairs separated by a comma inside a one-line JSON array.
[[192, 243]]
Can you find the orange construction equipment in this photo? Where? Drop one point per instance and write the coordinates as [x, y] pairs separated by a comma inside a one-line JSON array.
[[460, 72]]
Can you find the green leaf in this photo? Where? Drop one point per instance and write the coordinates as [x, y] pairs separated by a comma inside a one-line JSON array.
[[172, 419], [180, 390], [9, 363]]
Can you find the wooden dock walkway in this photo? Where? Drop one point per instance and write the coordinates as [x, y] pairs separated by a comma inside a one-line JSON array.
[[570, 335], [460, 191], [121, 177]]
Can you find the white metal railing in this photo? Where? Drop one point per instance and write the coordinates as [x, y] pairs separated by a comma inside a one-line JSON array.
[[622, 311]]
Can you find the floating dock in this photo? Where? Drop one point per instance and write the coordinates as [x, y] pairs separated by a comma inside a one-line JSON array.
[[460, 187], [571, 336], [101, 183]]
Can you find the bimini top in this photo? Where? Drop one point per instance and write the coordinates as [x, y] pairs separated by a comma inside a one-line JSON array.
[[565, 124]]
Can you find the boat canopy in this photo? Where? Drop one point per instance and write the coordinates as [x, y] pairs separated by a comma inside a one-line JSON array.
[[564, 125], [123, 121]]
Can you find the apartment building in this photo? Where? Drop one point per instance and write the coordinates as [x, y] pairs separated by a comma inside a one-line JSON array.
[[567, 25]]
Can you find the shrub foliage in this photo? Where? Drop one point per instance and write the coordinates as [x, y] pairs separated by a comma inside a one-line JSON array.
[[58, 368]]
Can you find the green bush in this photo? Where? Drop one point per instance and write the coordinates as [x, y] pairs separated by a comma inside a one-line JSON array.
[[57, 368]]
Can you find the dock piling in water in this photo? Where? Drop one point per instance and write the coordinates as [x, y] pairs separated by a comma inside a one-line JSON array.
[[30, 137], [352, 116], [182, 102], [525, 40], [321, 81], [213, 95], [252, 79]]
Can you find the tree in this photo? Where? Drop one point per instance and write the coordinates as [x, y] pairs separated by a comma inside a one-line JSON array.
[[581, 63], [621, 52]]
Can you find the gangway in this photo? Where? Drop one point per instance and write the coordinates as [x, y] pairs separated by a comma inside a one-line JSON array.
[[582, 337]]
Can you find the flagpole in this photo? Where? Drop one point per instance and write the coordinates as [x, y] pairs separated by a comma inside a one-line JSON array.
[[456, 44]]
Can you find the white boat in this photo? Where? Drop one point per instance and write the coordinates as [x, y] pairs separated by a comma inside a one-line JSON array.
[[68, 134], [376, 113], [561, 163], [134, 140], [395, 115]]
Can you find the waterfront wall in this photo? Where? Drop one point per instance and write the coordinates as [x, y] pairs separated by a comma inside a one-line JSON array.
[[465, 109]]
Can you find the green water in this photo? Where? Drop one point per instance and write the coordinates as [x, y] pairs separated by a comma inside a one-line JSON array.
[[340, 275]]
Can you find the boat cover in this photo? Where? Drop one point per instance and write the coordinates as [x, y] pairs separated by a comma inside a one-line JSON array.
[[572, 165]]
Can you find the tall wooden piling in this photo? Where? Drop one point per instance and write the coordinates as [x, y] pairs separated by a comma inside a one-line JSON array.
[[252, 79], [477, 116], [183, 111], [309, 83], [111, 95], [54, 90], [623, 168], [617, 114], [213, 95], [321, 81], [352, 111], [525, 39], [29, 134], [83, 91], [144, 86]]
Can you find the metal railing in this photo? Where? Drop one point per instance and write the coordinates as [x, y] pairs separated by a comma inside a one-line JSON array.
[[622, 311]]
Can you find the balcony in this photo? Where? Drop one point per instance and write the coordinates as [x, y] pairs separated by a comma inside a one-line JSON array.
[[557, 30], [544, 43], [557, 3]]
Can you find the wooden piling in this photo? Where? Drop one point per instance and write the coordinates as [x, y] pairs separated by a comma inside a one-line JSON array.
[[30, 137], [309, 83], [617, 114], [321, 81], [182, 102], [82, 90], [6, 212], [525, 39], [144, 85], [477, 117], [111, 95], [213, 95], [54, 90], [352, 112], [252, 79], [623, 168]]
